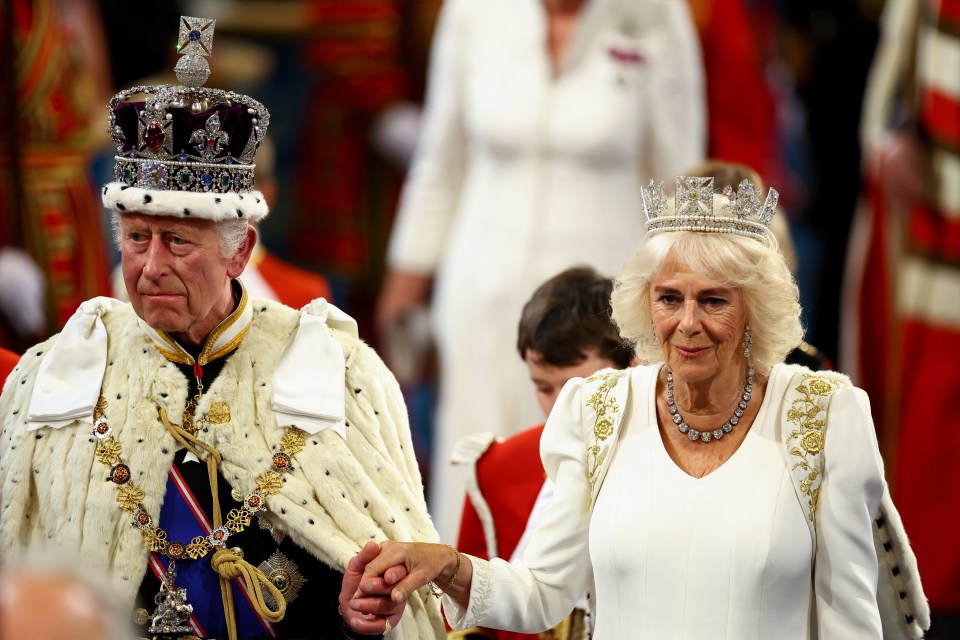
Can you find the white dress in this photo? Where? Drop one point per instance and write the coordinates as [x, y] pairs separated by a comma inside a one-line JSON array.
[[726, 556], [521, 172]]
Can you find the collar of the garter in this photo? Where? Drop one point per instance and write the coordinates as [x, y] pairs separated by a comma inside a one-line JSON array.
[[224, 339]]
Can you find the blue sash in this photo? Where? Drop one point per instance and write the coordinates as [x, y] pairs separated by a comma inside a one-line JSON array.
[[183, 519]]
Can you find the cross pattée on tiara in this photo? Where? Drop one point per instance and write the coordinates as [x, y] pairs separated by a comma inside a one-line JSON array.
[[742, 213]]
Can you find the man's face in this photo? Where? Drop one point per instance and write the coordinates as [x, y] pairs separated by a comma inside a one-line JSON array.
[[175, 275]]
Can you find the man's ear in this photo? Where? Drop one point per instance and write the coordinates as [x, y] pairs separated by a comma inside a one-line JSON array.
[[240, 259]]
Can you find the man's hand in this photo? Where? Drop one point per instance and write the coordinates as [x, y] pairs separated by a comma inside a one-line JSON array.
[[897, 161], [371, 612]]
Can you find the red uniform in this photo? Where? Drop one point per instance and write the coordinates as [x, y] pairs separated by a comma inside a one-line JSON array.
[[740, 110], [292, 285], [907, 283], [8, 360]]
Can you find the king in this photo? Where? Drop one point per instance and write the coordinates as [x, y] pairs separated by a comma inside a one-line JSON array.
[[197, 440]]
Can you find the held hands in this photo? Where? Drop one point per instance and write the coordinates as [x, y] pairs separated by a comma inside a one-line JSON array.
[[370, 611], [403, 567]]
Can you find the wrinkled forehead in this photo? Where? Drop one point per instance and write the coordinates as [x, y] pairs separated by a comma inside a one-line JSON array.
[[135, 220]]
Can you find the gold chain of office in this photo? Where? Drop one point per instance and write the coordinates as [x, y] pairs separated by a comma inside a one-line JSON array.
[[130, 498]]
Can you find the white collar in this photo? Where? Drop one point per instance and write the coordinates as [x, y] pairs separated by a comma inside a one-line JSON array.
[[308, 383]]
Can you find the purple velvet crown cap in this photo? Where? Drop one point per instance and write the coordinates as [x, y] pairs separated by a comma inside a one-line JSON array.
[[235, 121]]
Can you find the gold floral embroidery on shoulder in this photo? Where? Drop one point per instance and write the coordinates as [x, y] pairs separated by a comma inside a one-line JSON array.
[[607, 410], [808, 413]]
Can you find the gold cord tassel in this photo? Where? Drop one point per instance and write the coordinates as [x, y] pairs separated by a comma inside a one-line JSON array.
[[225, 562]]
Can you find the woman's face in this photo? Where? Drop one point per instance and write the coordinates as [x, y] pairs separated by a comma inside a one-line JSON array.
[[699, 323]]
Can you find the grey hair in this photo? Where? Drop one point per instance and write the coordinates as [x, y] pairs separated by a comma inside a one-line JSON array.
[[232, 233], [54, 563], [757, 268]]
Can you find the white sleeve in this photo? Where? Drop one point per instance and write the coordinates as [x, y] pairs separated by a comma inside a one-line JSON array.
[[677, 128], [536, 515], [538, 592], [432, 189], [845, 572]]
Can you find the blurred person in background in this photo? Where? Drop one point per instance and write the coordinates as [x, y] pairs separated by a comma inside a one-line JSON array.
[[740, 105], [542, 120], [50, 596], [54, 71], [902, 330], [827, 46]]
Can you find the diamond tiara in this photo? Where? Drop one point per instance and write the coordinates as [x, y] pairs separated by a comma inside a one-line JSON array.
[[187, 137], [742, 213]]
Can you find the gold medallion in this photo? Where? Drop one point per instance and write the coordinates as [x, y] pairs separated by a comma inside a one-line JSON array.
[[218, 413]]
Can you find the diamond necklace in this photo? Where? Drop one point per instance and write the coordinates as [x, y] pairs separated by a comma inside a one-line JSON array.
[[716, 434]]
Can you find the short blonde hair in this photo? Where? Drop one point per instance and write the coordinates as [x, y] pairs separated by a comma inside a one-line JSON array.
[[756, 268]]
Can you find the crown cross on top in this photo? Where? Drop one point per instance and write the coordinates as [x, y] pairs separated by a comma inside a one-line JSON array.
[[742, 213], [195, 41], [196, 36]]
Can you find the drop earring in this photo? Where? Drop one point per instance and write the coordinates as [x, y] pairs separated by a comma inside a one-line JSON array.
[[747, 342]]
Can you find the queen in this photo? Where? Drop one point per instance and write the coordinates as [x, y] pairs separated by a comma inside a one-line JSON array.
[[715, 492]]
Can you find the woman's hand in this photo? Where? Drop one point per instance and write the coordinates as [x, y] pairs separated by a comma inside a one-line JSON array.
[[377, 612], [410, 565], [400, 293]]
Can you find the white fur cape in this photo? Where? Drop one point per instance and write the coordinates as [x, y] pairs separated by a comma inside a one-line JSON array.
[[341, 493]]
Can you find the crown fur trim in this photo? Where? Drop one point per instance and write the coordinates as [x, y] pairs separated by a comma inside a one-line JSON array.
[[217, 207]]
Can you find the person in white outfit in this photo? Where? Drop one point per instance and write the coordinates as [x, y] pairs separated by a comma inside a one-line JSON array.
[[543, 118], [712, 493]]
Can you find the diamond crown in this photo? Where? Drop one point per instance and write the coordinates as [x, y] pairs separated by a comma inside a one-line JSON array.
[[694, 208], [187, 137]]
